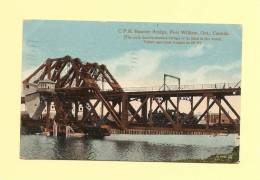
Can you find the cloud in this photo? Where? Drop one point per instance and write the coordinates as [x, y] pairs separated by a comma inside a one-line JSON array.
[[28, 72], [194, 51], [212, 74], [133, 68], [31, 49], [138, 68]]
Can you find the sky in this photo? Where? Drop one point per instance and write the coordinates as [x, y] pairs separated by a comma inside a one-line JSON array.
[[132, 62]]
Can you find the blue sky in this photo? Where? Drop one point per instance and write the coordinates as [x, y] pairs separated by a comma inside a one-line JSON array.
[[132, 62]]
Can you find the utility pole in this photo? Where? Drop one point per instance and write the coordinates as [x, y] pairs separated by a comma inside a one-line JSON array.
[[164, 81]]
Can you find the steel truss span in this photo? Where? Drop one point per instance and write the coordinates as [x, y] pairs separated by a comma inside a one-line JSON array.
[[88, 98]]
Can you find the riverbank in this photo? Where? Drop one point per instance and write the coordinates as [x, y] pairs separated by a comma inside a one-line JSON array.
[[232, 157]]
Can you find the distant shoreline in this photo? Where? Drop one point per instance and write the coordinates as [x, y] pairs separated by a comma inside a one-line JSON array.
[[232, 157]]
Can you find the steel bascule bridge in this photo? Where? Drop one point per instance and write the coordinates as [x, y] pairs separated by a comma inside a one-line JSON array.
[[70, 85]]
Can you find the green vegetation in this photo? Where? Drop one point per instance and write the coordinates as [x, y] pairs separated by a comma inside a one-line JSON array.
[[232, 157]]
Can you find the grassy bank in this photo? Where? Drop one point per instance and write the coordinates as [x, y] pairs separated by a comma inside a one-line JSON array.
[[232, 157]]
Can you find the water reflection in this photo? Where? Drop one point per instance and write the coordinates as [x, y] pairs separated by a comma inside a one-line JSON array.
[[124, 148], [72, 148]]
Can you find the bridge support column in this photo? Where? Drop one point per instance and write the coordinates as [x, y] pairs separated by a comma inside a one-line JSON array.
[[83, 103], [124, 114], [102, 110], [177, 110], [191, 106], [48, 121], [144, 110], [166, 104], [207, 116], [76, 110], [150, 116], [219, 112]]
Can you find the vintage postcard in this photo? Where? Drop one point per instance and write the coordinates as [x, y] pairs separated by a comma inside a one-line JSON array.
[[128, 91]]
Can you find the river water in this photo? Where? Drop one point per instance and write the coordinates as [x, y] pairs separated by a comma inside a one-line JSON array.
[[126, 147]]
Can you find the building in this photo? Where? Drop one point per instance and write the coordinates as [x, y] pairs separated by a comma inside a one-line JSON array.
[[214, 119], [46, 85]]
